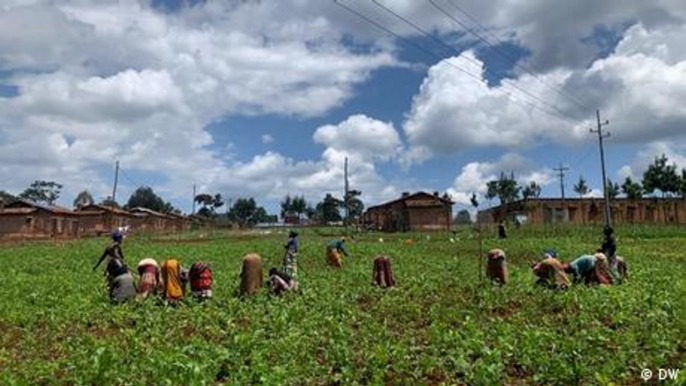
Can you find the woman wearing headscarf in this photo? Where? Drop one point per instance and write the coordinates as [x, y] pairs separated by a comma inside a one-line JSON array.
[[280, 282], [382, 274], [550, 271], [150, 281], [496, 267], [251, 274], [290, 260], [334, 249], [173, 285]]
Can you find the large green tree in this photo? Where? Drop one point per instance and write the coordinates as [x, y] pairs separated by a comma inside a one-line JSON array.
[[581, 188], [505, 188], [246, 213], [82, 199], [660, 176], [6, 198], [612, 189], [329, 208], [287, 207], [299, 206], [633, 190], [145, 197], [110, 202], [42, 192], [531, 190]]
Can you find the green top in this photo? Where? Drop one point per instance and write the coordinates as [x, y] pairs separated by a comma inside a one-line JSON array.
[[339, 245]]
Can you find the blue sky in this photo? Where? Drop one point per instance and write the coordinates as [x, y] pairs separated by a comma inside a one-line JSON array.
[[189, 92]]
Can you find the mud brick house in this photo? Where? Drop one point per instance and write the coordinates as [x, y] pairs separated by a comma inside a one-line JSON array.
[[179, 223], [589, 211], [411, 212], [95, 220], [148, 220], [24, 219]]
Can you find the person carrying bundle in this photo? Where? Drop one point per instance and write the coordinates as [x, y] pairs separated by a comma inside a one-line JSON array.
[[150, 282], [334, 249], [174, 286], [251, 274], [496, 267], [280, 282], [200, 276], [382, 274], [550, 271]]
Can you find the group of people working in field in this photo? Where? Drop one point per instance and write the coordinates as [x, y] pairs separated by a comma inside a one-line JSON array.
[[604, 267], [170, 279]]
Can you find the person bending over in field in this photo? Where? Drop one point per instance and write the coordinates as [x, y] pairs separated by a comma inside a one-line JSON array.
[[113, 251], [200, 277], [550, 271], [174, 287], [280, 282], [150, 282], [334, 249], [382, 274], [617, 267], [251, 274], [290, 259], [496, 267]]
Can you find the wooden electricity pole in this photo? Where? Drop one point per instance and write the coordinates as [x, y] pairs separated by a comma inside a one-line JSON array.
[[602, 135], [114, 188]]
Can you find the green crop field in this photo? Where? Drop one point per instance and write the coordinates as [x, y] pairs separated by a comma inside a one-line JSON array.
[[439, 326]]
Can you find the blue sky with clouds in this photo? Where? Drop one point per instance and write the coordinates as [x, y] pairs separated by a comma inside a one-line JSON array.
[[267, 98]]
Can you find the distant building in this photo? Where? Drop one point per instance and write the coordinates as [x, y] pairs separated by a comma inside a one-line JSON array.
[[417, 211], [24, 219], [99, 219], [148, 220], [589, 211]]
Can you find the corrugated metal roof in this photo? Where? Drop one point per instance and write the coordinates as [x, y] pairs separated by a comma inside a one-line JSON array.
[[413, 195], [31, 204]]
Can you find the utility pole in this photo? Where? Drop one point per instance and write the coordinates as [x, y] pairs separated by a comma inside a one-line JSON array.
[[602, 135], [345, 194], [561, 173], [114, 189], [193, 201]]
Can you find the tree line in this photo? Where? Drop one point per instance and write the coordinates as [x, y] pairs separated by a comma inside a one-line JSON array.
[[661, 178]]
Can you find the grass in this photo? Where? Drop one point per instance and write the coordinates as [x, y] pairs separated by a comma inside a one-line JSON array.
[[441, 325]]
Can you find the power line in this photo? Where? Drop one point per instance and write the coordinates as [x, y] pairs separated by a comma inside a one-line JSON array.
[[447, 61], [502, 53], [457, 52]]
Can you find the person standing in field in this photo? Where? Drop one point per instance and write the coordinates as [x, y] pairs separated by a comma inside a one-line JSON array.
[[251, 274], [113, 251], [502, 231], [173, 285], [119, 280], [290, 260], [550, 271], [150, 281], [334, 249], [496, 267], [382, 274]]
